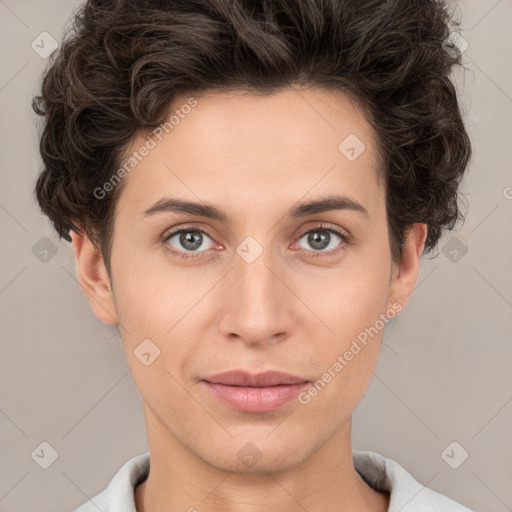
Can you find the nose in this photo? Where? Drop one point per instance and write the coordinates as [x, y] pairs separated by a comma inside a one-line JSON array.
[[257, 302]]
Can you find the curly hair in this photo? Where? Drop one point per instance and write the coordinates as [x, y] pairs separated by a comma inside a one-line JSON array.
[[123, 63]]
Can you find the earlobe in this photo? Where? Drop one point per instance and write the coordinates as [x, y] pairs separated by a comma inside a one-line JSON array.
[[93, 277], [405, 276]]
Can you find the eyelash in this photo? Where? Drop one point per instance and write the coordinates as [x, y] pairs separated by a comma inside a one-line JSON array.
[[345, 241]]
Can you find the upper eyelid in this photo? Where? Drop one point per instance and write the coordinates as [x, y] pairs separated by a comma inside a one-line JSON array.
[[173, 232]]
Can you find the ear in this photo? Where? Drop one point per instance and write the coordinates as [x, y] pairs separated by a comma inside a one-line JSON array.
[[93, 277], [405, 275]]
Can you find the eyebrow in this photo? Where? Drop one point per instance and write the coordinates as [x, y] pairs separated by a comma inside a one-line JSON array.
[[331, 202]]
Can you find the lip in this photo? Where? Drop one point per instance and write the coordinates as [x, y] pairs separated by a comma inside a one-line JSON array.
[[244, 378], [255, 399], [256, 393]]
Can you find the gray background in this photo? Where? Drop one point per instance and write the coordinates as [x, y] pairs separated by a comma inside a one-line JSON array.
[[444, 373]]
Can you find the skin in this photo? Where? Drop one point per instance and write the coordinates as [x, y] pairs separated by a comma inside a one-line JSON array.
[[254, 157]]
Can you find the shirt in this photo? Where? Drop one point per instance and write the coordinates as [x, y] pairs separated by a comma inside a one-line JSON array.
[[379, 472]]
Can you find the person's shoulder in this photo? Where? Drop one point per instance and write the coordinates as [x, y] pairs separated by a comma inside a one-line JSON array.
[[406, 494], [120, 492]]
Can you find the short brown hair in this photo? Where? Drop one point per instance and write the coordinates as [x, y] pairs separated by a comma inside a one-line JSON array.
[[123, 63]]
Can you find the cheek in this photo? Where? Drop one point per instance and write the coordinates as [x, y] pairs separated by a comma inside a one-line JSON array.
[[148, 294], [155, 340], [350, 306], [159, 312], [348, 301]]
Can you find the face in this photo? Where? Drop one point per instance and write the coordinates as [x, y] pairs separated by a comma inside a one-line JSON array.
[[264, 285]]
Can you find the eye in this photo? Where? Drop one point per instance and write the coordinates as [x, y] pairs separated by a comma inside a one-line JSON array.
[[190, 242], [321, 240], [186, 242]]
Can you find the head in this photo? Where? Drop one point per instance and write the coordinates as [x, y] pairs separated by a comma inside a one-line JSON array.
[[251, 111]]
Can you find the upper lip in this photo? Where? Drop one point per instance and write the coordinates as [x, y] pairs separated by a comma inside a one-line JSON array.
[[244, 378]]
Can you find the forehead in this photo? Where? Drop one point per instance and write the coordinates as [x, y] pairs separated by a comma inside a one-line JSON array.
[[240, 147]]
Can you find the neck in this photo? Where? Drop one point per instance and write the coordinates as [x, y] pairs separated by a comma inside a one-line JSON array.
[[323, 482]]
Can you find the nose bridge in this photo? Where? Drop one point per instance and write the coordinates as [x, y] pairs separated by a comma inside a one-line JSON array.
[[256, 284], [257, 304]]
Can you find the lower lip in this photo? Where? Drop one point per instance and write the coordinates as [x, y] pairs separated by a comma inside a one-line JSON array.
[[253, 399]]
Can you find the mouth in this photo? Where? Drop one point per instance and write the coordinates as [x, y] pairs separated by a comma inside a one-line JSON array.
[[255, 393]]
